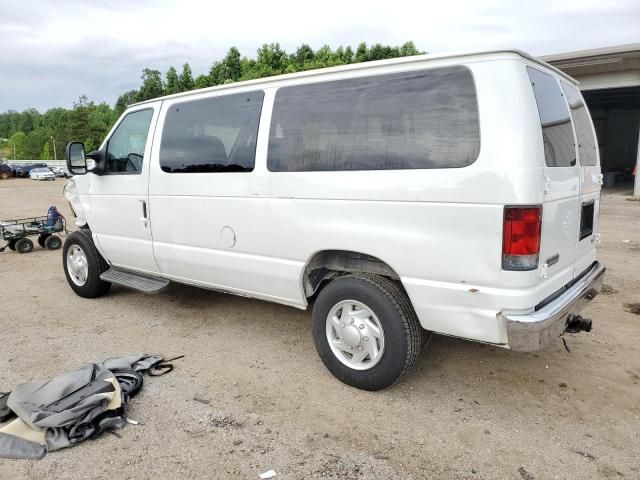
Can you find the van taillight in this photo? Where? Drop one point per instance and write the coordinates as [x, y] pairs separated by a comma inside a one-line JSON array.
[[521, 238]]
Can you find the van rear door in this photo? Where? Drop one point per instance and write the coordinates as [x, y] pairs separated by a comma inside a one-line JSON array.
[[561, 177], [590, 177]]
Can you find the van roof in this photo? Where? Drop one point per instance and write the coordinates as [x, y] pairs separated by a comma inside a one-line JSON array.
[[364, 66]]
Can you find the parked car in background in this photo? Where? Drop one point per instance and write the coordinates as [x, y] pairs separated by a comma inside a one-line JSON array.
[[22, 171], [60, 172], [5, 171], [41, 174], [449, 194], [13, 167]]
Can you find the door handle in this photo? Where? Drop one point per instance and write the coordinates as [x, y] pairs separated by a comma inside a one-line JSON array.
[[143, 205]]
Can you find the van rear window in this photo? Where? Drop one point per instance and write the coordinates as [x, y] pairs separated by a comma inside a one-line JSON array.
[[557, 135], [582, 124], [411, 120]]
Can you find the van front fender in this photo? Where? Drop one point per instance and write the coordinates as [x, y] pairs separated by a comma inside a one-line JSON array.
[[73, 197]]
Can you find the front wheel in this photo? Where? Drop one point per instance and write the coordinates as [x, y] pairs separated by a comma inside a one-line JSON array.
[[24, 245], [366, 331], [83, 265]]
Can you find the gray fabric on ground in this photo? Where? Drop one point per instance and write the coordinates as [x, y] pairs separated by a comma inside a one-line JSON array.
[[32, 403], [16, 447]]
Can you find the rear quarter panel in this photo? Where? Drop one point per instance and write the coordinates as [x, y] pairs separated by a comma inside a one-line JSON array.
[[441, 229]]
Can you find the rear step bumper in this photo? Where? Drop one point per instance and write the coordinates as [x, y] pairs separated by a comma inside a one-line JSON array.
[[533, 331]]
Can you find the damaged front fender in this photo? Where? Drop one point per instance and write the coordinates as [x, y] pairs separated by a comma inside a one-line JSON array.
[[73, 197]]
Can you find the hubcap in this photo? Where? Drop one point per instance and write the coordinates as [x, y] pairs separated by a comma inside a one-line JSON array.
[[355, 335], [77, 265]]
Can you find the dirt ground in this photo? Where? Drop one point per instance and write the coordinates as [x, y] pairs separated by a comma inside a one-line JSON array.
[[467, 411]]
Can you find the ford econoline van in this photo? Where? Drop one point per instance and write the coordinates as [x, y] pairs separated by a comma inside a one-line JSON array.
[[456, 194]]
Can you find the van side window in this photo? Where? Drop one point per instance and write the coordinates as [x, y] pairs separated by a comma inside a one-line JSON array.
[[410, 120], [582, 124], [125, 149], [216, 134], [557, 135]]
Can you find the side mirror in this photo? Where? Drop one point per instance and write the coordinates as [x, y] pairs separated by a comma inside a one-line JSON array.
[[76, 161]]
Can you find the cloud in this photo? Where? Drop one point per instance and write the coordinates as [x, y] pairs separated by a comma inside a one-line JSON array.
[[52, 52]]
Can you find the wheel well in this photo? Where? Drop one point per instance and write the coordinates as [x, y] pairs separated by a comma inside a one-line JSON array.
[[328, 264]]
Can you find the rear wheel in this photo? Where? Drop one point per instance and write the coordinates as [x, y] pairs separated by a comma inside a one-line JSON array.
[[24, 245], [12, 245], [83, 265], [366, 331], [53, 242], [42, 237]]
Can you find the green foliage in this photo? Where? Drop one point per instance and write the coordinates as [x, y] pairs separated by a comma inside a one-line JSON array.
[[125, 100], [31, 132], [185, 80], [171, 81], [16, 143], [152, 86], [46, 152]]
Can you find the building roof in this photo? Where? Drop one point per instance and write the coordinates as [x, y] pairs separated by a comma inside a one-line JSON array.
[[601, 68], [592, 55]]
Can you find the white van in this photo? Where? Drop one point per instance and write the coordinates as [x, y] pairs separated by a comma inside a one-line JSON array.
[[453, 194]]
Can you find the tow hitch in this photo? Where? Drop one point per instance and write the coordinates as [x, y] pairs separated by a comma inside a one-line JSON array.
[[576, 323]]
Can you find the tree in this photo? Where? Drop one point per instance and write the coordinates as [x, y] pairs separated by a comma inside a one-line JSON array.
[[152, 86], [46, 152], [347, 57], [171, 81], [33, 143], [89, 145], [185, 80], [231, 66], [203, 81], [304, 55], [362, 55], [271, 60], [125, 100], [16, 144], [408, 49]]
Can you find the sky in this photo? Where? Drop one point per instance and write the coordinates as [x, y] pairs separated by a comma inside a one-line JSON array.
[[51, 52]]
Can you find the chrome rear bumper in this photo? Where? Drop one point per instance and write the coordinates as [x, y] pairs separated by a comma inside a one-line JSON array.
[[533, 331]]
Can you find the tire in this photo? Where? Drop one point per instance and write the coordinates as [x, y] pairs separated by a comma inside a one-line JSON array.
[[24, 245], [53, 242], [93, 286], [12, 245], [42, 237], [391, 309]]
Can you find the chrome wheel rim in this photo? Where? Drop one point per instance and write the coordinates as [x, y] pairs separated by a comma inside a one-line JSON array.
[[355, 335], [77, 265]]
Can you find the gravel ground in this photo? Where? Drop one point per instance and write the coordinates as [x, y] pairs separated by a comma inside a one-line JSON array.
[[467, 411]]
